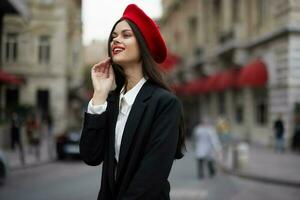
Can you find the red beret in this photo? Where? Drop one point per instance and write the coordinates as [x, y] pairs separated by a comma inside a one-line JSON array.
[[149, 30]]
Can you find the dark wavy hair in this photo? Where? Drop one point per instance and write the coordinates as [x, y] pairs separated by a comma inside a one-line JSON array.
[[151, 71]]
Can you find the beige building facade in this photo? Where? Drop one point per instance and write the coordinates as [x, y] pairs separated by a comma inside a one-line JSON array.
[[46, 51], [94, 52], [217, 35]]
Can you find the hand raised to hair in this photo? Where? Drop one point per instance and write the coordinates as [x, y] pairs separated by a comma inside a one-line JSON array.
[[103, 79]]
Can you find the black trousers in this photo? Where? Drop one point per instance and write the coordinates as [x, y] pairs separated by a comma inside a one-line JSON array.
[[210, 163]]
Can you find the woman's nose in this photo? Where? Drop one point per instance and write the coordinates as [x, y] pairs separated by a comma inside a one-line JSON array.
[[116, 40]]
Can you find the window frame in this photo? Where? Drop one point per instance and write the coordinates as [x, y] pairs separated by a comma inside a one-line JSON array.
[[44, 49], [11, 47]]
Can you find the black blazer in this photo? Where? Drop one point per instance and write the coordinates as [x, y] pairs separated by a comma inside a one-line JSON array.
[[147, 150]]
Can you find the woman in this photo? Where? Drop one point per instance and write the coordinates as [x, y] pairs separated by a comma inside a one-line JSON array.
[[135, 126]]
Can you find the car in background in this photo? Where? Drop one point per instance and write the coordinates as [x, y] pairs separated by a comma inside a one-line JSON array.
[[67, 144], [3, 168]]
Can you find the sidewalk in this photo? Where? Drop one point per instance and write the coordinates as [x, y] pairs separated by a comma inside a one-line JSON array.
[[266, 165], [31, 160]]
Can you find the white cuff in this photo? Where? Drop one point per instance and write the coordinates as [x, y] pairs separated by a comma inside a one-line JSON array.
[[99, 109]]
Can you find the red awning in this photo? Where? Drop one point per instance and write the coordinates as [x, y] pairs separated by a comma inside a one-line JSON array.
[[186, 88], [8, 78], [253, 75], [227, 80], [211, 83], [171, 61], [193, 87]]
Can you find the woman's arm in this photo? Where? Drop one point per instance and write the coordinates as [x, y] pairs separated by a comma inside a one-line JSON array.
[[93, 138], [160, 152], [94, 132]]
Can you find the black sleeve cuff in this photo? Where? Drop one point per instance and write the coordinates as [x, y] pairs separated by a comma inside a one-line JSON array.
[[94, 120]]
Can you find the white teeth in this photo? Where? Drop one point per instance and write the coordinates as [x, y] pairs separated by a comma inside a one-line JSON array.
[[118, 50]]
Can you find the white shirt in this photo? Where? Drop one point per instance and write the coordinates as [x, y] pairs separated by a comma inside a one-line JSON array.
[[125, 103]]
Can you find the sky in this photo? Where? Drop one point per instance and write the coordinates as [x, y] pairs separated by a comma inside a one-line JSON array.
[[99, 15]]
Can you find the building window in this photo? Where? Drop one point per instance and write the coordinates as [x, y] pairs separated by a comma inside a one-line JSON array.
[[239, 106], [222, 103], [235, 13], [193, 30], [44, 49], [261, 12], [217, 15], [11, 47], [261, 106], [205, 21]]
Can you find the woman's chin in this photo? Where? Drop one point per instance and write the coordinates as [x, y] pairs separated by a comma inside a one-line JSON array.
[[121, 61], [118, 60], [124, 60]]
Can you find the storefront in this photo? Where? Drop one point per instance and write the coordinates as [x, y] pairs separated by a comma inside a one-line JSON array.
[[238, 94]]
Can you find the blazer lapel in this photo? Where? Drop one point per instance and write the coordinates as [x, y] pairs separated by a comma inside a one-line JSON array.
[[133, 121], [114, 110]]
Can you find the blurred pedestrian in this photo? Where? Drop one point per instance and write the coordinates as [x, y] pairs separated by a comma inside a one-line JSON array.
[[207, 147], [226, 138], [279, 134], [140, 111], [33, 135], [49, 128], [48, 120], [15, 133]]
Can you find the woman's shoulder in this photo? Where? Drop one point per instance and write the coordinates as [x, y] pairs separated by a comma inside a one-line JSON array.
[[162, 94], [163, 97]]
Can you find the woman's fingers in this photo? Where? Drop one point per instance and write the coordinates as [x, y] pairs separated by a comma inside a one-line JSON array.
[[105, 64], [102, 68], [101, 75], [102, 65], [106, 71], [106, 60]]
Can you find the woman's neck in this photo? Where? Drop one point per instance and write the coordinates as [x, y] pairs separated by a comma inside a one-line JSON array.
[[134, 74]]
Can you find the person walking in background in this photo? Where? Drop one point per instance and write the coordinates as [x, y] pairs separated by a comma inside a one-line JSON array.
[[48, 121], [226, 138], [33, 135], [15, 133], [207, 147], [279, 134]]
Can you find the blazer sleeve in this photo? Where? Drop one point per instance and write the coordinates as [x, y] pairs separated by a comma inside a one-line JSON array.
[[93, 138], [160, 152]]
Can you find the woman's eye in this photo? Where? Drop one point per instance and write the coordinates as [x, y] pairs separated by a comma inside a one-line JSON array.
[[127, 35]]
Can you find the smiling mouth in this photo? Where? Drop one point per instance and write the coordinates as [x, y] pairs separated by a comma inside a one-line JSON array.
[[117, 50]]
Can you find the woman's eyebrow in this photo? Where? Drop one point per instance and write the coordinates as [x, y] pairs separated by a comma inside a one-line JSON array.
[[122, 31]]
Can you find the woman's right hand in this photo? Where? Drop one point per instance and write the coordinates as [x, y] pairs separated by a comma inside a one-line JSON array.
[[103, 79]]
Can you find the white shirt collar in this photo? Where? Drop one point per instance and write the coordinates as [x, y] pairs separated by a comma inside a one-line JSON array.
[[130, 95]]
